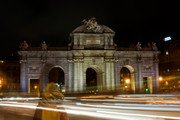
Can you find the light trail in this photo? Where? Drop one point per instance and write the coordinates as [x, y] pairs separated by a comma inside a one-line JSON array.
[[99, 111], [19, 99], [75, 112], [132, 108], [141, 115]]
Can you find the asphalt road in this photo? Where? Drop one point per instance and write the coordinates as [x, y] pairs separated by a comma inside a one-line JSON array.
[[121, 108]]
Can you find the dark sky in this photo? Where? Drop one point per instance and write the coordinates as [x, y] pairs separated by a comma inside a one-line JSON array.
[[53, 20]]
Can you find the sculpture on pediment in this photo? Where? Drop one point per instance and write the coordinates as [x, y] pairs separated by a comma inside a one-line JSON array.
[[156, 58], [138, 46], [92, 24], [43, 45], [154, 47], [24, 45]]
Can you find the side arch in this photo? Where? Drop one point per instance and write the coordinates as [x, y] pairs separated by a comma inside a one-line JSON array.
[[130, 79]]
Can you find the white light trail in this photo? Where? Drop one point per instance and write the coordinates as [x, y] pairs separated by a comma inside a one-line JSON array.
[[101, 111], [141, 115], [132, 107]]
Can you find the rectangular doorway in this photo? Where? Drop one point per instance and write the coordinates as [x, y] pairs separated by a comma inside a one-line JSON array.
[[34, 87], [147, 84]]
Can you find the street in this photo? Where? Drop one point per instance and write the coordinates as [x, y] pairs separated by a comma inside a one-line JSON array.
[[116, 108]]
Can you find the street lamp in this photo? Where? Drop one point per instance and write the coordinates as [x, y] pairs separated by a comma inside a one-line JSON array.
[[1, 61], [127, 81], [160, 78]]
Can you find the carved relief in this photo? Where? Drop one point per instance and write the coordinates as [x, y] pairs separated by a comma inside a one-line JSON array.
[[139, 58], [92, 25], [138, 46], [33, 69], [147, 68], [43, 45], [24, 45], [154, 47], [156, 58]]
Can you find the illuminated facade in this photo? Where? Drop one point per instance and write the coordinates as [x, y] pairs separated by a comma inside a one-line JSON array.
[[91, 62], [9, 76]]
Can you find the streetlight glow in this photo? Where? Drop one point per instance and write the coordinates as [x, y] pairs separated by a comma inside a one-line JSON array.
[[160, 78], [1, 61], [127, 81], [167, 38]]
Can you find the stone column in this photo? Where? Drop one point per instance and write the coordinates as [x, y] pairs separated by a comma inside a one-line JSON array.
[[139, 74], [78, 76], [133, 86], [112, 76], [156, 77], [23, 78], [136, 82], [156, 69], [109, 73], [118, 67], [70, 80], [44, 75]]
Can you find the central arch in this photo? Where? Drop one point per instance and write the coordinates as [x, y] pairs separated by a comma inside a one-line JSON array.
[[56, 75], [93, 79]]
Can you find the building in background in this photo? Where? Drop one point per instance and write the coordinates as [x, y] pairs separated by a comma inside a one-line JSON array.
[[169, 67], [9, 76]]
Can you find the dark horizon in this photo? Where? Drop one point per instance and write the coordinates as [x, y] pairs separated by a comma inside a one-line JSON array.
[[53, 21]]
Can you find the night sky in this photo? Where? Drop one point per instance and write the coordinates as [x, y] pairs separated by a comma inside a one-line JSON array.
[[52, 21]]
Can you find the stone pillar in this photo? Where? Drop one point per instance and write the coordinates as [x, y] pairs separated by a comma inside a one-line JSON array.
[[66, 80], [156, 69], [78, 76], [29, 85], [117, 75], [70, 80], [112, 76], [139, 74], [44, 78], [109, 73], [23, 78], [156, 77], [81, 74], [136, 82], [133, 86]]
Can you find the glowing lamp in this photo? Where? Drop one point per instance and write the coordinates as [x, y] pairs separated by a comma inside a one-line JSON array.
[[167, 38], [35, 87], [147, 90], [160, 78], [127, 81]]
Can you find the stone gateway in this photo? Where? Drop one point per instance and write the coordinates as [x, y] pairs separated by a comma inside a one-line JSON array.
[[90, 63]]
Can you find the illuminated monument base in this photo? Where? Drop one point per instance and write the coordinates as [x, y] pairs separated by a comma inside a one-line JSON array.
[[91, 63]]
